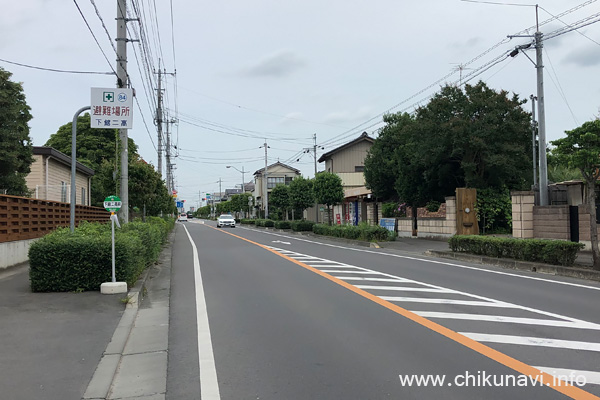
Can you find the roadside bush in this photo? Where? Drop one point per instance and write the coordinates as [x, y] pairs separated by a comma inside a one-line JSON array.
[[282, 224], [264, 222], [302, 226], [63, 261], [556, 252], [433, 206], [245, 221], [363, 231]]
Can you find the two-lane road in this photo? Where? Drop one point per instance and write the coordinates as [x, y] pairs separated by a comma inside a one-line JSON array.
[[259, 315]]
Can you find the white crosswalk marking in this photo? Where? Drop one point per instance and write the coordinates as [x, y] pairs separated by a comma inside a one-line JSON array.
[[512, 320], [465, 311], [532, 341], [569, 375], [404, 289]]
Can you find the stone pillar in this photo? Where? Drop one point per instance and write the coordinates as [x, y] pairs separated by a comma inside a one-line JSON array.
[[522, 214]]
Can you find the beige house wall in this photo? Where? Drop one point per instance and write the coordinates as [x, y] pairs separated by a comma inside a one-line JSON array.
[[346, 160], [51, 188]]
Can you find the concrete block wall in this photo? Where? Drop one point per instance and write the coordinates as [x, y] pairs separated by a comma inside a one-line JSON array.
[[522, 214], [551, 222], [432, 227]]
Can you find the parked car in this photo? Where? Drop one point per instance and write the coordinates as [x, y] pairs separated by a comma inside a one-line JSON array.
[[183, 217], [225, 220]]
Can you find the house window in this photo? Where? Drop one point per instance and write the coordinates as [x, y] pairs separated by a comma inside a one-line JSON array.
[[274, 181], [63, 192], [359, 168]]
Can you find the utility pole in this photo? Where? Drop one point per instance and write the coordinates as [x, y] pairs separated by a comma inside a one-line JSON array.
[[533, 129], [159, 121], [541, 118], [539, 66], [168, 157], [122, 82], [266, 186], [315, 154]]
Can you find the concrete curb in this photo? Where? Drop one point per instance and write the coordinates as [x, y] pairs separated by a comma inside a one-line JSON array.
[[107, 370], [573, 272]]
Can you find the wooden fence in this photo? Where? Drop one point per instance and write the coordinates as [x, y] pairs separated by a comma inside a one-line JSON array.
[[25, 218]]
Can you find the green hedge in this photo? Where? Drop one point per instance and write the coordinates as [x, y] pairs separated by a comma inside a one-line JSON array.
[[302, 226], [245, 221], [556, 252], [264, 223], [283, 225], [62, 261], [359, 232]]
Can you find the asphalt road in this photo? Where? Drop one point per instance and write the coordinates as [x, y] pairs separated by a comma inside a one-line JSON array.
[[261, 315]]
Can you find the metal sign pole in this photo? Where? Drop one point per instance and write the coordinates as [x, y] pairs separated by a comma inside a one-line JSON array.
[[112, 222]]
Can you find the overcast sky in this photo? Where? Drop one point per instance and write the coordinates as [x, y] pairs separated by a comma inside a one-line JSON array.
[[285, 70]]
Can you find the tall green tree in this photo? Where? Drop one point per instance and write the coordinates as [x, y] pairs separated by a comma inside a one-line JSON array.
[[328, 190], [476, 137], [280, 199], [147, 189], [301, 194], [581, 150], [16, 154], [239, 203]]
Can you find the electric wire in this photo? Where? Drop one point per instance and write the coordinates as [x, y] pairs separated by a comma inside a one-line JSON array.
[[94, 36], [56, 70]]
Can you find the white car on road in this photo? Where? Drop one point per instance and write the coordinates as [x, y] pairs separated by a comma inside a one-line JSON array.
[[225, 220]]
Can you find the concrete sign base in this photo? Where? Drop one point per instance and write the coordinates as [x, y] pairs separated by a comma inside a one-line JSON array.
[[113, 287]]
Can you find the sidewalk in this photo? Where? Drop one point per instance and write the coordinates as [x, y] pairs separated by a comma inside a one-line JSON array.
[[57, 346], [51, 343]]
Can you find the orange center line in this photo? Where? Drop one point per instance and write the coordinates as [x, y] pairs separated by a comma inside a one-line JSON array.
[[549, 380]]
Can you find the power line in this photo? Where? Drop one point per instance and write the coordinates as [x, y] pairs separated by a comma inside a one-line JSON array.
[[94, 36], [581, 33], [104, 26], [56, 70]]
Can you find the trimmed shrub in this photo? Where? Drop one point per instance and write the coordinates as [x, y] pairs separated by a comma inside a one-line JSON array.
[[557, 252], [264, 222], [62, 261], [245, 221], [282, 225], [302, 226], [363, 231]]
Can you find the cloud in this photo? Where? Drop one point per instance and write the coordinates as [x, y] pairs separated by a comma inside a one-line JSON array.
[[347, 117], [583, 57], [276, 65]]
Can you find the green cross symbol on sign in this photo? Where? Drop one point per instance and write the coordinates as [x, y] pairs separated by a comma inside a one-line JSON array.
[[109, 97]]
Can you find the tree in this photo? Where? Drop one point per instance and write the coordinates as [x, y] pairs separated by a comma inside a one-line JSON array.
[[146, 188], [581, 150], [381, 163], [98, 149], [16, 156], [301, 194], [239, 202], [280, 199], [328, 190]]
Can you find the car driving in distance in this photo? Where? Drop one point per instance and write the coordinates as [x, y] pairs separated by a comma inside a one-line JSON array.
[[225, 220], [182, 217]]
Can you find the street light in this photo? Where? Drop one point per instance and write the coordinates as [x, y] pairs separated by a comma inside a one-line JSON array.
[[242, 171]]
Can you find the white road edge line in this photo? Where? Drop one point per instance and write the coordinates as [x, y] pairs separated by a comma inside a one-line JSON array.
[[209, 385], [431, 261]]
